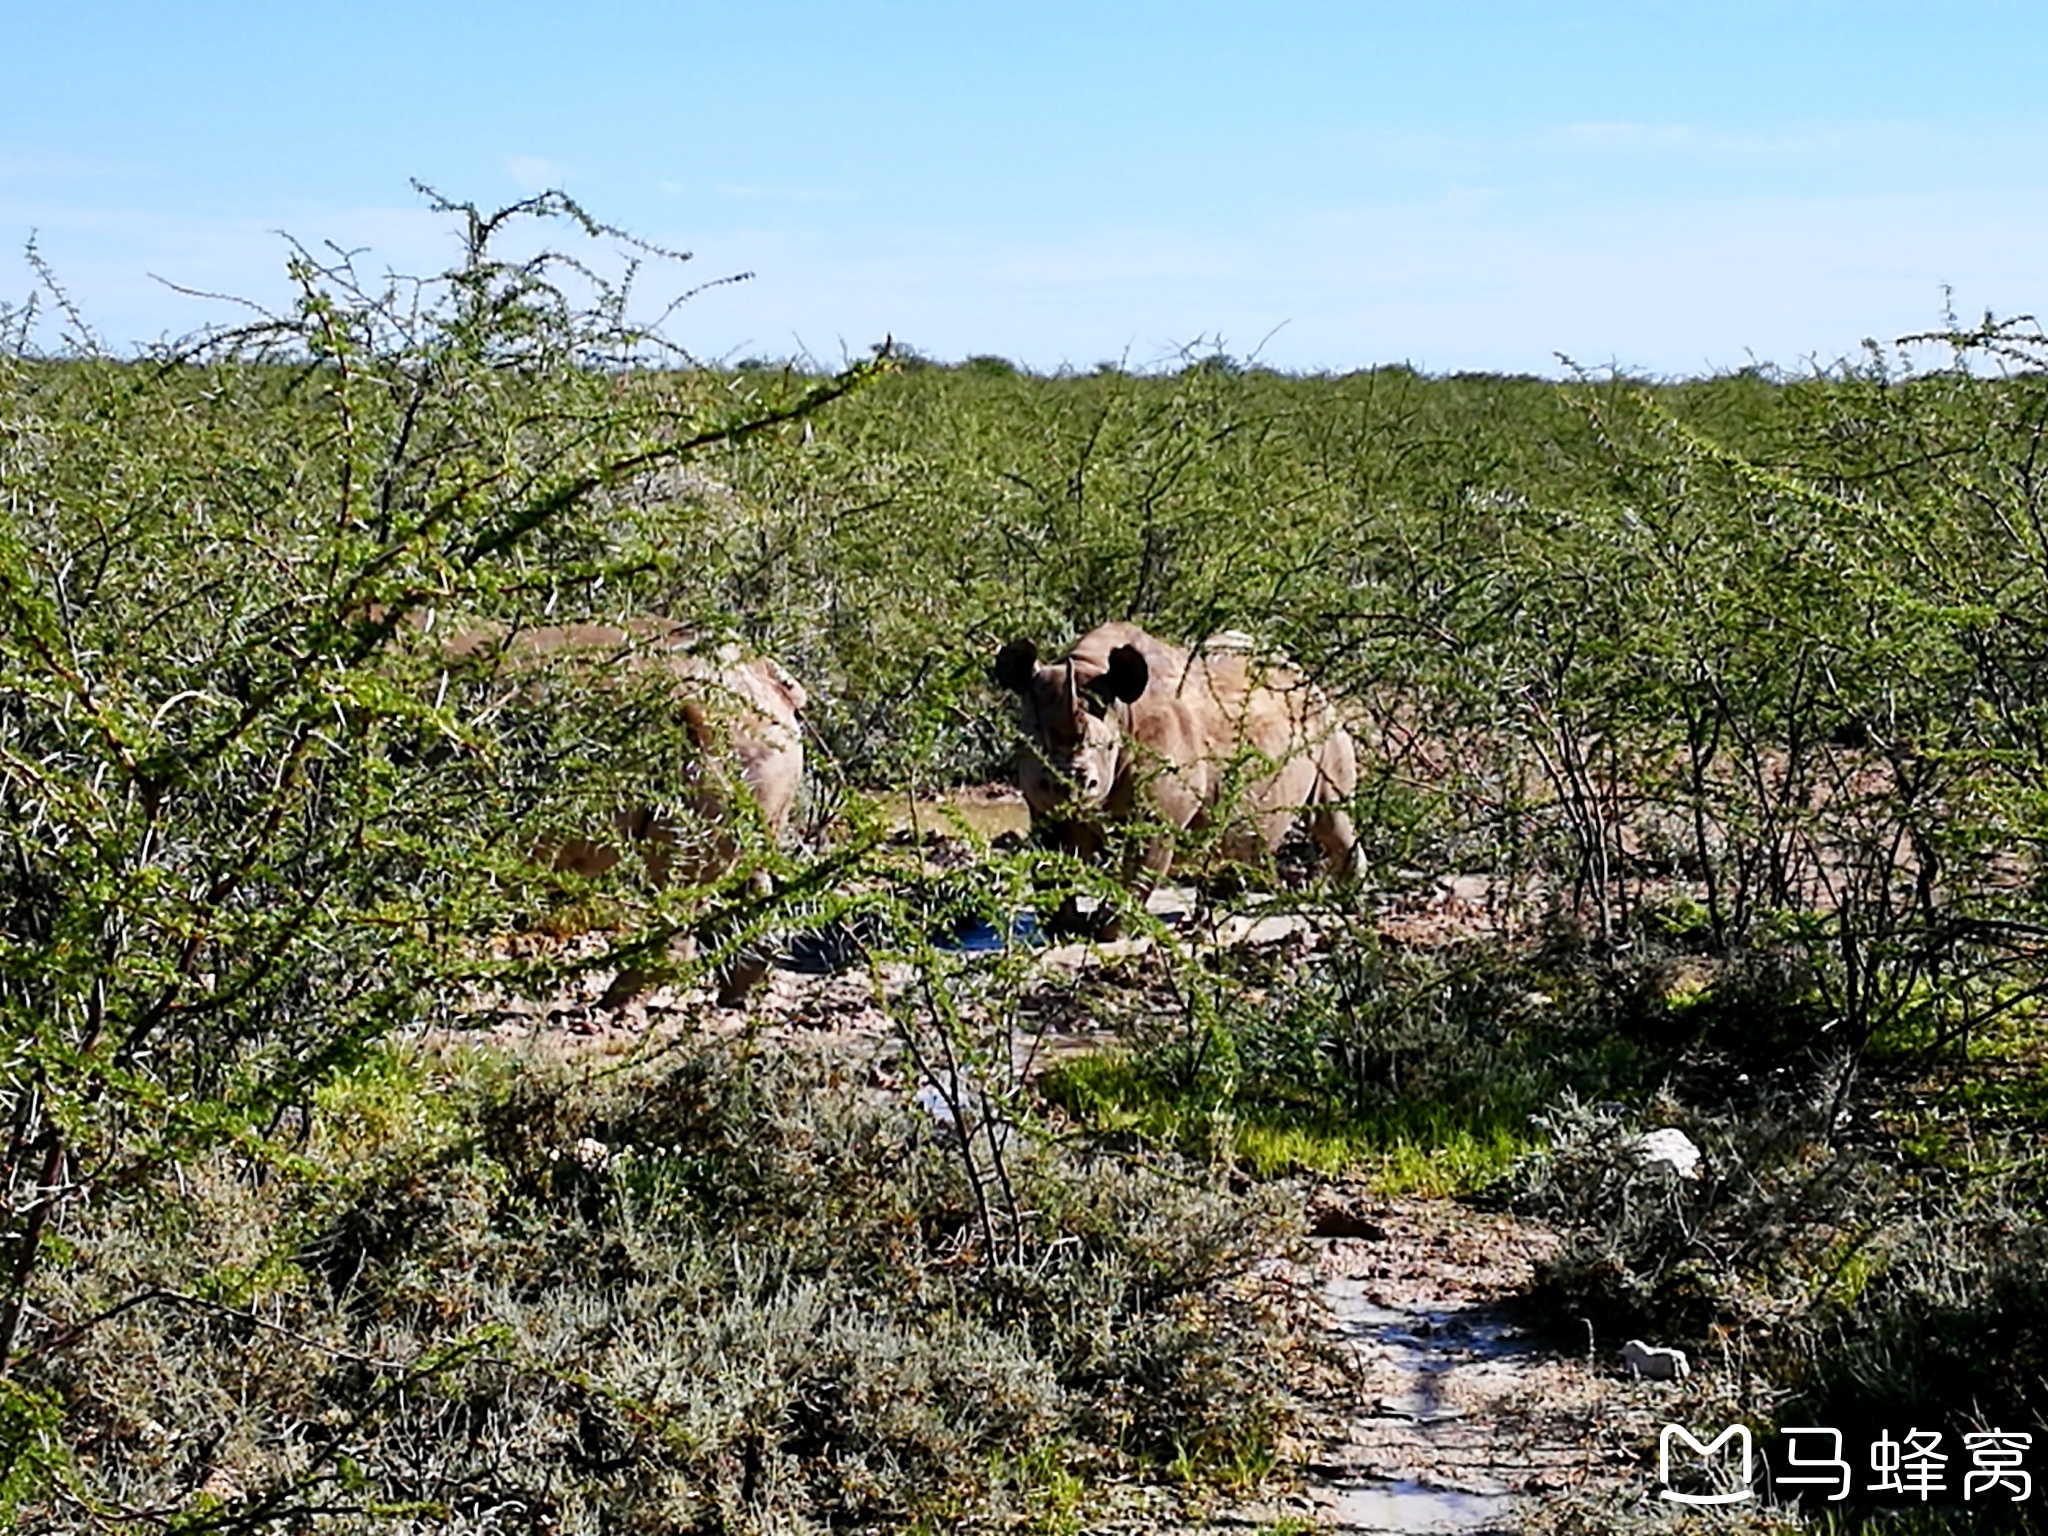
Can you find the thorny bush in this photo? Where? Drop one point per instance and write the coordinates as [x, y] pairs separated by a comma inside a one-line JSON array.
[[243, 832], [729, 1289]]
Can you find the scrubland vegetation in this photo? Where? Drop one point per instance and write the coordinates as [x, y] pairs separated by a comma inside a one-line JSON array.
[[1729, 699]]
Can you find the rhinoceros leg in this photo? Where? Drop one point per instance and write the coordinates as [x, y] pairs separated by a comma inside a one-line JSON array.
[[1331, 827]]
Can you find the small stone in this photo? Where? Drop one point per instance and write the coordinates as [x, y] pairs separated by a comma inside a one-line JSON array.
[[1670, 1147], [1343, 1221], [1652, 1363]]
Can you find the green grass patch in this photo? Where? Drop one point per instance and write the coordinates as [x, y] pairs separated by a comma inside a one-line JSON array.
[[2001, 1098], [1402, 1146]]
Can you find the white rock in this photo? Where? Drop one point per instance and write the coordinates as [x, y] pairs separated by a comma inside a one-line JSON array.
[[1655, 1364], [1669, 1146], [1250, 930], [1081, 957], [1173, 903], [1471, 889]]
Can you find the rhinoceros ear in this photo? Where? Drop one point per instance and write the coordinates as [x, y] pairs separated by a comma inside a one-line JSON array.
[[1127, 675], [1016, 665]]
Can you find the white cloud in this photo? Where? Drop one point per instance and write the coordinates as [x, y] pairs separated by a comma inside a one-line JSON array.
[[533, 173], [767, 194], [1110, 256], [1885, 152], [123, 268], [1628, 136], [1463, 280], [54, 168]]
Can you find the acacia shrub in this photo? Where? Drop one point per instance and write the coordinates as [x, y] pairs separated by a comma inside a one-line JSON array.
[[241, 835]]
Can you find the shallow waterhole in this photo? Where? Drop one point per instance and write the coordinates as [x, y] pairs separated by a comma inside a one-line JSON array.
[[1423, 1338], [1443, 1350], [1411, 1507]]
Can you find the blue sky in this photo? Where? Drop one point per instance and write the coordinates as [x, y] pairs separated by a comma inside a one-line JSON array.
[[1669, 187]]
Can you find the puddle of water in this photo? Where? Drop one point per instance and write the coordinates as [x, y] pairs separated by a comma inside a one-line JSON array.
[[1441, 1336], [844, 944], [1414, 1509], [1365, 1317], [978, 937], [837, 946], [1417, 1408]]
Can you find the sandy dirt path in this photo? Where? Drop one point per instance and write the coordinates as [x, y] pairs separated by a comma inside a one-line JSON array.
[[1438, 1410]]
